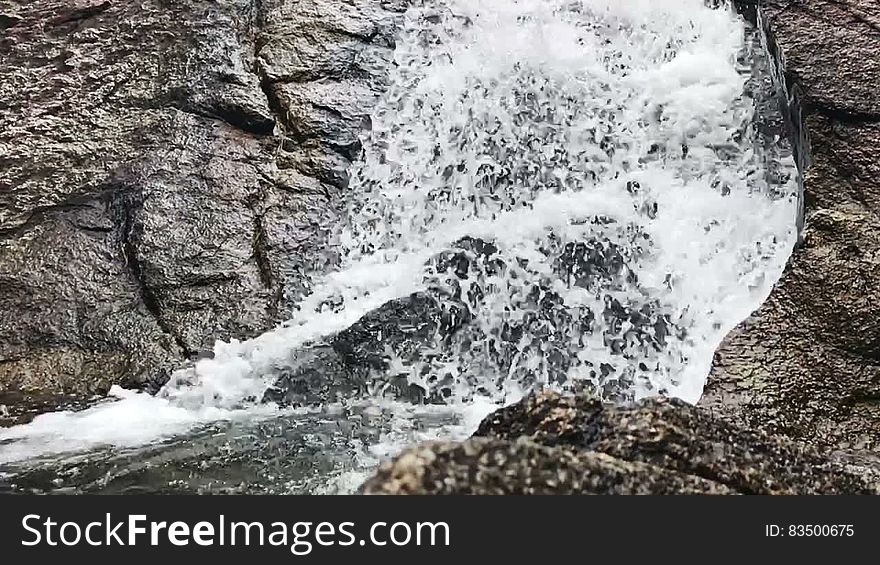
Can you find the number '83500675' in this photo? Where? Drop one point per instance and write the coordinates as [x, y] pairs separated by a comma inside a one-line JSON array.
[[809, 530]]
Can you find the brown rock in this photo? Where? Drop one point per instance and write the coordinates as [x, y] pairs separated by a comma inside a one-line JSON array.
[[671, 434], [805, 364], [552, 444], [495, 467]]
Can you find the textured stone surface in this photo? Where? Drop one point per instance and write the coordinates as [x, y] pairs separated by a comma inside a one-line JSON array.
[[806, 364], [167, 170], [556, 444], [493, 467]]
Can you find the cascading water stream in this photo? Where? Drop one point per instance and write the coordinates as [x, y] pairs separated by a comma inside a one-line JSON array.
[[590, 188]]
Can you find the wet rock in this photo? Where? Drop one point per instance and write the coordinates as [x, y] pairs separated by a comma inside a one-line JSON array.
[[18, 408], [376, 355], [403, 348], [168, 175], [288, 455], [9, 20], [674, 435], [550, 331], [470, 257], [495, 467], [553, 444], [332, 112], [805, 364], [316, 375], [406, 329]]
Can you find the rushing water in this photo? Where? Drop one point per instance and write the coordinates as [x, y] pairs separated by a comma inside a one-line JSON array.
[[599, 185]]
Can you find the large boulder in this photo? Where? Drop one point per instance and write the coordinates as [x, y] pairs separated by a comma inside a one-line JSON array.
[[554, 444], [404, 348], [805, 364], [493, 467], [168, 174]]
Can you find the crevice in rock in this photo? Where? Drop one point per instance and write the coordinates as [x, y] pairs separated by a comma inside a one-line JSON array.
[[275, 105], [231, 116], [258, 244], [39, 214], [9, 20], [260, 247], [845, 116], [125, 221], [259, 42], [77, 15], [790, 100]]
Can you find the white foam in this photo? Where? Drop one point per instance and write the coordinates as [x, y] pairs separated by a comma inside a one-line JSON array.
[[127, 419]]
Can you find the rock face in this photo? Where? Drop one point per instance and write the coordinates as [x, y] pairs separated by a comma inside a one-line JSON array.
[[806, 364], [552, 444], [167, 170]]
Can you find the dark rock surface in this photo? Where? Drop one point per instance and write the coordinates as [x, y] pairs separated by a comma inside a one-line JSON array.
[[358, 359], [167, 170], [806, 364], [405, 328], [637, 328], [315, 375], [552, 444], [421, 331]]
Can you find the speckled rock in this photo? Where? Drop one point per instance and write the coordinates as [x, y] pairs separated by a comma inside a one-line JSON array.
[[168, 173], [806, 363], [549, 443], [495, 467], [672, 434]]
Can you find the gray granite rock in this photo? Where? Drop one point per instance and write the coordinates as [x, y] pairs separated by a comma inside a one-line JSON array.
[[168, 173]]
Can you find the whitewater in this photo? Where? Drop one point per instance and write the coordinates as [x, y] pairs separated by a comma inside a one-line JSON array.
[[609, 155]]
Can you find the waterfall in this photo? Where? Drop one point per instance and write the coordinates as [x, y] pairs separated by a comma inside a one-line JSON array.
[[587, 183]]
